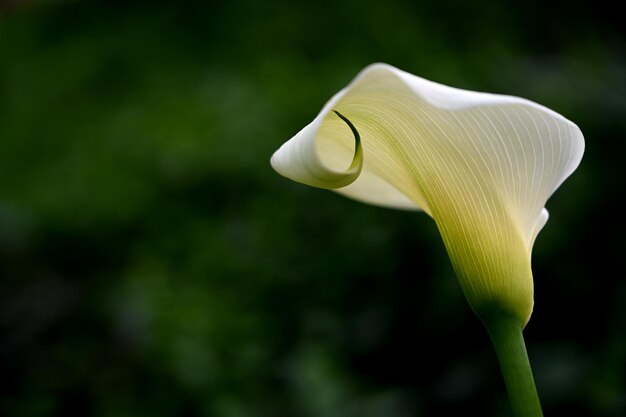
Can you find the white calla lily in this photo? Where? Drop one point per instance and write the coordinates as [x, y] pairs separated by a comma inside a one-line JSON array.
[[481, 165]]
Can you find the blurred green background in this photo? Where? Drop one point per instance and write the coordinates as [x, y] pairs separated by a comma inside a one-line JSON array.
[[152, 263]]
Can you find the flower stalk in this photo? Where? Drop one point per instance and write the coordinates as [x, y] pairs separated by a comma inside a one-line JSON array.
[[507, 338]]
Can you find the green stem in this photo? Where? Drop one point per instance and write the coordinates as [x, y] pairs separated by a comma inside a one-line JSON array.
[[507, 338]]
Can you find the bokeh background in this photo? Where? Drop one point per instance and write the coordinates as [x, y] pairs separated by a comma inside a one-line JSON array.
[[152, 263]]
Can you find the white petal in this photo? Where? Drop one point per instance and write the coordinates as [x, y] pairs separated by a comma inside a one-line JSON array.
[[320, 154], [482, 165]]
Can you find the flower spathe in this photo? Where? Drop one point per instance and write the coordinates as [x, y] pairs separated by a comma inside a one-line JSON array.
[[481, 165]]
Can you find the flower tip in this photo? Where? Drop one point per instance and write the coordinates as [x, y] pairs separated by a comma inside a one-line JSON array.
[[275, 162]]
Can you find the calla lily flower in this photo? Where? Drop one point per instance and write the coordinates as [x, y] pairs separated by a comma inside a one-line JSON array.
[[481, 165]]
